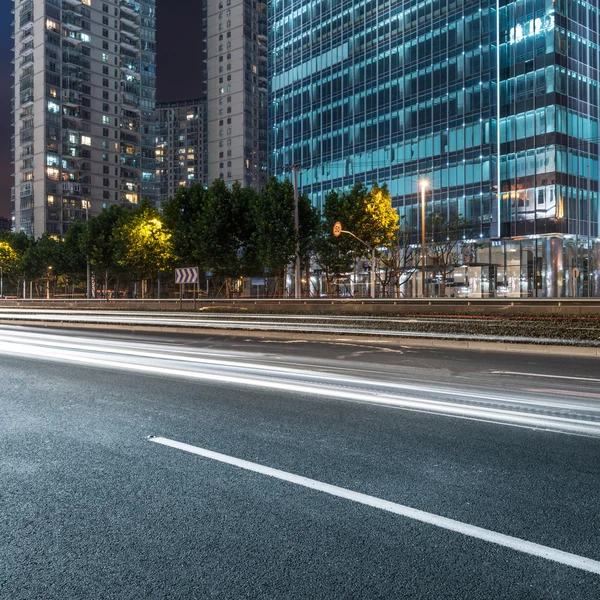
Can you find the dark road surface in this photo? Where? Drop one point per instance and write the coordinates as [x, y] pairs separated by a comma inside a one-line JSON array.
[[91, 508]]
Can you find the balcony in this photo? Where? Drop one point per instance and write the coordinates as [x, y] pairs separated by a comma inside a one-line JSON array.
[[71, 24], [71, 101], [26, 22], [126, 43], [71, 189], [130, 8]]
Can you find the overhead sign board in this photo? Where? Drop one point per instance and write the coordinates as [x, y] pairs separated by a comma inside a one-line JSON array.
[[188, 275]]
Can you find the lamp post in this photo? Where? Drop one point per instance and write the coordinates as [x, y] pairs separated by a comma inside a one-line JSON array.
[[48, 283], [338, 230], [423, 184], [88, 277]]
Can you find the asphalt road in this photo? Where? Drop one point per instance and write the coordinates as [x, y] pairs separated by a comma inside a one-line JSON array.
[[92, 508]]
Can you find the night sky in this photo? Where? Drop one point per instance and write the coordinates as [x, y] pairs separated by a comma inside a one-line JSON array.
[[179, 69]]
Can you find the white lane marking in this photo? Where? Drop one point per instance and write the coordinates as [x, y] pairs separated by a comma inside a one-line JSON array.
[[487, 535], [497, 416], [543, 375]]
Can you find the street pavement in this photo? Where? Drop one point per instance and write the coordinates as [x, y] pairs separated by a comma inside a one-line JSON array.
[[91, 506]]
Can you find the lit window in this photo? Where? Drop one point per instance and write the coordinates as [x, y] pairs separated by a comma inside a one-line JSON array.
[[85, 37], [53, 107], [86, 140], [104, 57], [53, 93], [105, 120], [50, 200], [52, 173], [52, 25]]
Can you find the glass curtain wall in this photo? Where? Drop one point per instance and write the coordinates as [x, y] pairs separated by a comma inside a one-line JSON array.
[[496, 103]]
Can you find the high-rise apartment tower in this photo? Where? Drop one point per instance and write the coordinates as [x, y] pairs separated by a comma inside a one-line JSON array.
[[180, 144], [84, 109], [236, 88]]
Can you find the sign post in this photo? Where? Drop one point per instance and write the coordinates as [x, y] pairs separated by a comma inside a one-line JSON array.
[[183, 276]]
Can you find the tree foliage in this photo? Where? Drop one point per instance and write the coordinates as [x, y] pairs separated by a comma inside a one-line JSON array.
[[232, 231], [142, 243], [274, 231], [182, 216]]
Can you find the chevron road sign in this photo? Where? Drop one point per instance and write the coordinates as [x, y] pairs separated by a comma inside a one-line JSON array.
[[189, 275]]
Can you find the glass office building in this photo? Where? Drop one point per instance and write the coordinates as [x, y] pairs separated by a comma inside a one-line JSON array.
[[495, 103]]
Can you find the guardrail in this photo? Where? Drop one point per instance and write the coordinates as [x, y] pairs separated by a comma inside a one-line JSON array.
[[540, 306]]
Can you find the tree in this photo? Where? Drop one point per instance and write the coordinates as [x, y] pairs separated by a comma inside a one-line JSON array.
[[309, 229], [143, 243], [181, 216], [368, 214], [334, 256], [445, 235], [20, 243], [98, 242], [398, 259], [41, 259], [72, 264], [8, 258], [225, 232], [275, 233]]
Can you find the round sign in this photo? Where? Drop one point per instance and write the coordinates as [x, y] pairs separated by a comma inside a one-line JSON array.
[[337, 229]]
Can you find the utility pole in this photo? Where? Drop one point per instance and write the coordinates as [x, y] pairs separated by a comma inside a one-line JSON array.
[[297, 281], [424, 184], [88, 277]]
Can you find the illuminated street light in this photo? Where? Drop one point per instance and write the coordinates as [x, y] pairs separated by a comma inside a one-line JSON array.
[[338, 230]]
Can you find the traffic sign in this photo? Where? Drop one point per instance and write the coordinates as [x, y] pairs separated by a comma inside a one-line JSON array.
[[188, 275], [337, 229]]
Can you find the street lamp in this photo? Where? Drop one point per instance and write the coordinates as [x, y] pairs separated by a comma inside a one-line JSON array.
[[423, 184], [338, 230], [88, 277], [48, 283]]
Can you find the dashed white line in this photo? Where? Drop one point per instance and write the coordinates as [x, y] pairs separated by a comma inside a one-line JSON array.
[[487, 535]]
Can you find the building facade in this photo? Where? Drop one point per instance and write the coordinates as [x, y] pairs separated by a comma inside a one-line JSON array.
[[495, 104], [83, 109], [180, 141], [236, 89]]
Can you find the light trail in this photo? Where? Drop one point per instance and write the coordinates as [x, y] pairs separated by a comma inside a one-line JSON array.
[[513, 409]]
